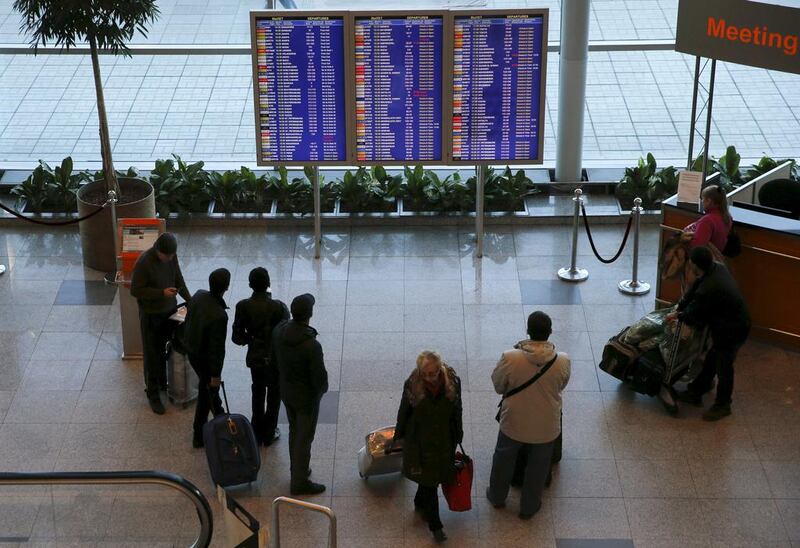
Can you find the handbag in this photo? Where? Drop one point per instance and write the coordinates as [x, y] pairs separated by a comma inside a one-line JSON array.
[[523, 386], [458, 493], [733, 247]]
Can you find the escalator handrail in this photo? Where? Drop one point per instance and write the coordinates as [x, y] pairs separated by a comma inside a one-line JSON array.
[[151, 477]]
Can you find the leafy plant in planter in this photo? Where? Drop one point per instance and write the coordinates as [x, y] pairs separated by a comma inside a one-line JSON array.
[[51, 189], [255, 191], [727, 166], [33, 190], [415, 188], [768, 164], [448, 194], [508, 190], [180, 187], [106, 24], [387, 187], [359, 192], [226, 189], [638, 182], [64, 185]]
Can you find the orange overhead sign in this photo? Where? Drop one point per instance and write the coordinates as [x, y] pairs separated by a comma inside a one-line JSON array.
[[759, 34]]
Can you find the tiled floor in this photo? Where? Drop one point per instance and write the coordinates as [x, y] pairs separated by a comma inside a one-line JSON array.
[[630, 472]]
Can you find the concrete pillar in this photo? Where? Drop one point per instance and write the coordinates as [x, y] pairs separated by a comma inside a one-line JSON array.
[[573, 59]]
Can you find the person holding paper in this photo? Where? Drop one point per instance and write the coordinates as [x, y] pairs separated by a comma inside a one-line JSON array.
[[156, 281], [715, 224]]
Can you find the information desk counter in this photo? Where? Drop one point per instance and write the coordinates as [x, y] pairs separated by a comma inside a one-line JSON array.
[[767, 270]]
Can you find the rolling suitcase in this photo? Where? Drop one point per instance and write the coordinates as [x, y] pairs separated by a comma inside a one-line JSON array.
[[618, 356], [231, 448], [372, 458], [181, 379]]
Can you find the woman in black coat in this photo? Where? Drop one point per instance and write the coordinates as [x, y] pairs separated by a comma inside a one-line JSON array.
[[430, 425]]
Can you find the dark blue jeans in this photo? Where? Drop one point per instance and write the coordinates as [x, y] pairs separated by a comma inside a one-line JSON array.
[[538, 455]]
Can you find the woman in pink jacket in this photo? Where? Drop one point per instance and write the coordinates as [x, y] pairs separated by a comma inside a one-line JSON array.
[[715, 225]]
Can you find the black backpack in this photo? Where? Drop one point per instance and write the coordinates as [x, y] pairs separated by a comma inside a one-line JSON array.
[[733, 247]]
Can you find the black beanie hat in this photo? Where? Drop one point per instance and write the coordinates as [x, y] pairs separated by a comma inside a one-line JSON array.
[[167, 243], [539, 325], [219, 281], [303, 306], [702, 258], [259, 279]]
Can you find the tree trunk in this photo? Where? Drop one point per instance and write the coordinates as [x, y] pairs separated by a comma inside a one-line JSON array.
[[105, 142]]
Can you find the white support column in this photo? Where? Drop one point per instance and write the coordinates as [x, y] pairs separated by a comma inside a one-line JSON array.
[[573, 58]]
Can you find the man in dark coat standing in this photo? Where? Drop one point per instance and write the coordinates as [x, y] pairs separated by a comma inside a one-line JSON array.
[[714, 300], [303, 382], [204, 336], [156, 280], [255, 319]]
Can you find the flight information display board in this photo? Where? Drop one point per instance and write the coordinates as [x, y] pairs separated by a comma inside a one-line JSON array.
[[399, 87], [499, 63], [300, 84]]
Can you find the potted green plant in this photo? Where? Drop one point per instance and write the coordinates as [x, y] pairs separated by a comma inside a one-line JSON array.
[[226, 190], [107, 25], [768, 164], [180, 187], [359, 192]]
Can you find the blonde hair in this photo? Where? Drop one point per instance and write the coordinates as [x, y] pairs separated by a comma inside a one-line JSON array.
[[417, 383], [718, 198]]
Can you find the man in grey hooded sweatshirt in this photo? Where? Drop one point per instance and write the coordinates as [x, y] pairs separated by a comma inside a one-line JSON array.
[[530, 419]]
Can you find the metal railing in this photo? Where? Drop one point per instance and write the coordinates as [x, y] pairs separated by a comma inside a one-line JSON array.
[[167, 479], [275, 530]]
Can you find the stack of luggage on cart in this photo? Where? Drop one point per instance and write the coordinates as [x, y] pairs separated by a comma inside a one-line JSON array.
[[651, 355]]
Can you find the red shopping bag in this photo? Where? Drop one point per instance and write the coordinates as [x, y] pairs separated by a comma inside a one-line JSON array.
[[458, 494]]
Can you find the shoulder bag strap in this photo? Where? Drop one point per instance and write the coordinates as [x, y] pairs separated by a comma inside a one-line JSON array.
[[529, 382]]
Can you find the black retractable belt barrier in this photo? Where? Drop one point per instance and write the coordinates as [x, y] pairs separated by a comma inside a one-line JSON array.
[[54, 223], [591, 241]]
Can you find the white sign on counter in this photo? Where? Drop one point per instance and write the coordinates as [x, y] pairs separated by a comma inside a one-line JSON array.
[[690, 184]]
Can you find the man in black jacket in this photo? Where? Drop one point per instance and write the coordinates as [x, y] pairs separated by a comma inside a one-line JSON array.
[[303, 381], [156, 280], [204, 336], [253, 323], [714, 300]]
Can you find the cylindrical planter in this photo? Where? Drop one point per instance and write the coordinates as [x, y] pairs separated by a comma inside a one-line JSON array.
[[137, 200]]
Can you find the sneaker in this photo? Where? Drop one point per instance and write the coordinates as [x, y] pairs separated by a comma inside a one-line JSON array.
[[272, 439], [497, 505], [687, 396], [716, 412], [156, 405], [310, 488], [439, 536]]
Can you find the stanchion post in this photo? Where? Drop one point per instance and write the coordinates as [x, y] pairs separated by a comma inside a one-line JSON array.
[[317, 214], [573, 273], [479, 209], [111, 277], [634, 286]]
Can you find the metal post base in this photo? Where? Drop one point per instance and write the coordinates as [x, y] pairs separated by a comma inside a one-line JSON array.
[[569, 275], [630, 287], [2, 269]]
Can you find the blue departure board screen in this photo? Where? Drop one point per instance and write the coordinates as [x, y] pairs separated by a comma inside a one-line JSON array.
[[398, 72], [300, 89], [498, 87]]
